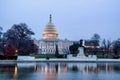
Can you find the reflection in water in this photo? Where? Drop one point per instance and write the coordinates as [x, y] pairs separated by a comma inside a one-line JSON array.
[[50, 71], [15, 72], [58, 71], [86, 67], [7, 72]]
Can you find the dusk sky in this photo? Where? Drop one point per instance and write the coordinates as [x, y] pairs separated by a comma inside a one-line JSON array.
[[74, 19]]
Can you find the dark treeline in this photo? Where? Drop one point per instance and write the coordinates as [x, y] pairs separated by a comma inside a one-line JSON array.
[[18, 40], [95, 46]]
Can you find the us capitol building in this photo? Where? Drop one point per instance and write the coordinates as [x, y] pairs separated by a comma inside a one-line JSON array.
[[47, 45]]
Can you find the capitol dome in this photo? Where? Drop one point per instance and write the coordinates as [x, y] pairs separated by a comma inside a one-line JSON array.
[[50, 30]]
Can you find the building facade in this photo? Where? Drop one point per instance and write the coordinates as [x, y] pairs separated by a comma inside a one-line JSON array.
[[47, 45], [50, 39]]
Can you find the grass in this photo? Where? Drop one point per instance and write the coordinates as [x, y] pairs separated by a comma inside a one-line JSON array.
[[45, 56], [108, 56], [100, 55], [74, 55]]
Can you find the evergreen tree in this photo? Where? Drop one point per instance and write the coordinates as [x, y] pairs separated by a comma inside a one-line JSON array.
[[56, 51]]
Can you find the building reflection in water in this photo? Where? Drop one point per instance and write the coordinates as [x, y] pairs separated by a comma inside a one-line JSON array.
[[52, 71], [82, 67], [92, 67]]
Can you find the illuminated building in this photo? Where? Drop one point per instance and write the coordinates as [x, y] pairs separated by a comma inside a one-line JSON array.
[[47, 45]]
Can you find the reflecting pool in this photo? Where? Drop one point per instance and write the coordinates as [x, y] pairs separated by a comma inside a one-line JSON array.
[[60, 71]]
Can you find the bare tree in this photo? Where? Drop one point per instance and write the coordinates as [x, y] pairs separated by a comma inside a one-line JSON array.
[[106, 45], [2, 50], [1, 32], [116, 47]]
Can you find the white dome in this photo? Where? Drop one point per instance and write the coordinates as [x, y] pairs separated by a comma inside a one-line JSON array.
[[50, 30]]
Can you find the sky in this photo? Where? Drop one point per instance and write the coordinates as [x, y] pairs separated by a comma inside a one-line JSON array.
[[74, 19]]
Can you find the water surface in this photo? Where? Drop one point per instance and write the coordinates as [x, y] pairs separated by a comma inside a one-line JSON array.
[[60, 71]]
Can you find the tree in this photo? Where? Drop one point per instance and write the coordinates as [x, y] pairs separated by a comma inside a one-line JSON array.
[[56, 51], [1, 32], [20, 37], [106, 45], [10, 50], [74, 48], [19, 32], [95, 42], [116, 47], [29, 47], [96, 39], [2, 43], [81, 42]]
